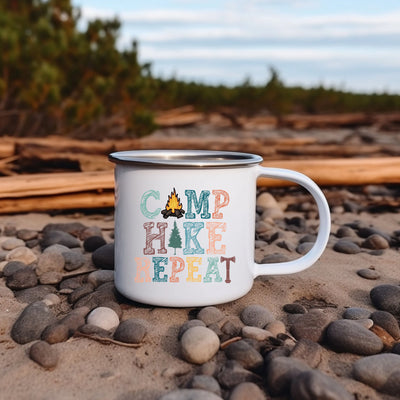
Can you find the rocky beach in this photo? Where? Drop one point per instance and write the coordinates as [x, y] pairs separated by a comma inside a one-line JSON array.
[[330, 331]]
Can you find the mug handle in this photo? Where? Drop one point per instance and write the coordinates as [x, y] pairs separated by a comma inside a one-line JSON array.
[[312, 256]]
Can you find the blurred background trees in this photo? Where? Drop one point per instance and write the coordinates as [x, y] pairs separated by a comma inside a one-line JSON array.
[[58, 79]]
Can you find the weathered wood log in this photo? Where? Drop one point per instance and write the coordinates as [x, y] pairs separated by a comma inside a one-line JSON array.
[[41, 192]]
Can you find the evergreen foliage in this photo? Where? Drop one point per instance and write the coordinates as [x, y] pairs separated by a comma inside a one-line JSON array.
[[175, 240], [58, 79]]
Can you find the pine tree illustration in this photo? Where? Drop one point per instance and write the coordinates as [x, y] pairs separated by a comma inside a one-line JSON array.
[[175, 239]]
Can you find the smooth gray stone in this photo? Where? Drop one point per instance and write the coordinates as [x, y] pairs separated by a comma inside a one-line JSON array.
[[387, 298], [189, 324], [356, 313], [92, 243], [132, 330], [381, 371], [210, 315], [190, 394], [12, 266], [23, 278], [35, 293], [311, 385], [103, 257], [44, 354], [73, 260], [59, 237], [246, 391], [232, 373], [348, 336], [73, 228], [368, 273], [256, 315], [308, 351], [375, 242], [31, 322], [205, 382], [245, 354], [310, 326], [346, 247], [388, 322]]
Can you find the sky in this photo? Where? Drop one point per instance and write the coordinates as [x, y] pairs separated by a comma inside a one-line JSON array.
[[342, 44]]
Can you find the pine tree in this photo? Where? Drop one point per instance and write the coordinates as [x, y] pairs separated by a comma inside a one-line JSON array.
[[175, 239]]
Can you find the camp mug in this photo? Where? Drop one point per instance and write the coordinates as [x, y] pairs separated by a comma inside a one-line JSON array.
[[185, 225]]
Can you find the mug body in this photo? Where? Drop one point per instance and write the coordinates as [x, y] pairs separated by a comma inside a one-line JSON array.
[[184, 236]]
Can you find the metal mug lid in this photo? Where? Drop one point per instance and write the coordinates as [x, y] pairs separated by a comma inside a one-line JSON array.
[[185, 158]]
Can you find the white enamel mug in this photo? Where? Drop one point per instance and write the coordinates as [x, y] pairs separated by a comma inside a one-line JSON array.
[[185, 225]]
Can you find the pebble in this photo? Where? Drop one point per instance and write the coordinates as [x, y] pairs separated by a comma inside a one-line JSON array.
[[252, 332], [75, 319], [189, 324], [103, 257], [73, 260], [31, 322], [281, 371], [232, 373], [56, 248], [5, 292], [73, 228], [308, 351], [10, 229], [379, 371], [311, 385], [368, 273], [356, 313], [388, 322], [54, 236], [387, 298], [199, 344], [256, 315], [89, 232], [275, 327], [97, 278], [104, 318], [244, 354], [50, 278], [51, 299], [190, 394], [375, 242], [232, 327], [27, 234], [92, 243], [348, 336], [345, 231], [266, 200], [205, 382], [247, 390], [294, 308], [132, 330], [12, 243], [346, 246], [23, 278], [396, 348], [305, 247], [35, 293], [49, 262], [310, 326], [210, 315], [55, 333], [23, 254], [102, 295], [95, 330], [274, 258], [44, 354], [80, 292]]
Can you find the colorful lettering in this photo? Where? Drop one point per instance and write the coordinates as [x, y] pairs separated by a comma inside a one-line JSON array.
[[192, 268], [212, 269], [143, 204], [148, 226], [200, 204], [218, 203], [142, 265], [191, 231], [228, 266], [215, 237], [175, 268], [159, 267]]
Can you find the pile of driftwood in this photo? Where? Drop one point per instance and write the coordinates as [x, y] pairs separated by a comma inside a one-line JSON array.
[[55, 173]]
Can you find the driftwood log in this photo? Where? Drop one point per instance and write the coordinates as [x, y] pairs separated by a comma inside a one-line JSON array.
[[89, 190]]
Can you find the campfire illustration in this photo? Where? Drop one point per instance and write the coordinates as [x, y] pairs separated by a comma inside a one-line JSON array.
[[173, 207]]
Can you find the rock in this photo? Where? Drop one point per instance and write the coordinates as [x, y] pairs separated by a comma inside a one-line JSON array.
[[89, 232], [35, 293], [252, 332], [294, 308], [44, 354], [73, 228], [54, 236], [92, 243], [232, 373], [51, 278], [27, 234], [379, 371], [75, 319], [5, 292], [56, 248], [23, 278], [102, 295], [305, 247], [103, 257], [103, 317], [199, 344], [346, 246], [97, 278], [80, 292], [55, 333], [388, 322], [396, 348], [356, 313], [245, 354], [232, 327], [281, 371], [310, 326], [50, 262], [23, 254], [387, 339], [73, 260], [275, 327], [368, 273], [274, 258], [12, 266], [387, 298], [205, 382], [310, 385], [51, 299], [10, 229], [210, 315], [308, 351], [31, 322], [345, 335], [131, 330], [189, 324], [345, 231], [256, 315], [247, 390], [375, 242], [12, 243], [266, 200], [95, 330], [190, 394]]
